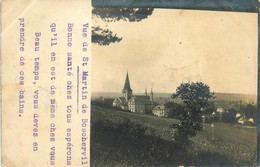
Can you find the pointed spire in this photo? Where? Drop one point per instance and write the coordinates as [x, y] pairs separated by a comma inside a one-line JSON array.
[[127, 84], [145, 91], [152, 89], [151, 94]]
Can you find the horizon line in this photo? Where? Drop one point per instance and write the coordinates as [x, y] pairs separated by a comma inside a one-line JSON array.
[[173, 92]]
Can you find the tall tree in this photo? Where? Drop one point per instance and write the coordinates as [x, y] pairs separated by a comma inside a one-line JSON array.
[[196, 97]]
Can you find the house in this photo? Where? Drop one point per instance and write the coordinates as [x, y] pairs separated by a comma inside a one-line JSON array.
[[242, 120], [220, 110], [160, 111], [238, 115], [134, 103], [251, 120]]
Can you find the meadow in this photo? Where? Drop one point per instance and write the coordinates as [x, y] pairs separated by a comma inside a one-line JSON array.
[[121, 138]]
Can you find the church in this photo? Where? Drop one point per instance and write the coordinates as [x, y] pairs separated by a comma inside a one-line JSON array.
[[134, 103]]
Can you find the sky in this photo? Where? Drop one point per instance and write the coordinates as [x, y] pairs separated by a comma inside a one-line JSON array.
[[175, 46]]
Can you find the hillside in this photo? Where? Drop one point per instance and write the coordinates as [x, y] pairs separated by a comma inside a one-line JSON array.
[[126, 139], [236, 97]]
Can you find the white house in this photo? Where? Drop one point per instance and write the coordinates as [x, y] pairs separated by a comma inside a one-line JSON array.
[[160, 110]]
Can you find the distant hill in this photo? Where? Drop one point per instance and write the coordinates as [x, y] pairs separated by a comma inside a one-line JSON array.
[[236, 97], [105, 94], [116, 94], [220, 96]]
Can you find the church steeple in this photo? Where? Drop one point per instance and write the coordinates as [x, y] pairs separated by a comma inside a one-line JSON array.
[[127, 84], [127, 91], [151, 94], [145, 91]]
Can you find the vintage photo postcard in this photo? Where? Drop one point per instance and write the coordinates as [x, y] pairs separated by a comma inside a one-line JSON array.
[[117, 86], [45, 55], [173, 87]]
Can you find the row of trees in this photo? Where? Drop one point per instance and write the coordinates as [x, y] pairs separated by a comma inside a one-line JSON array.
[[246, 111]]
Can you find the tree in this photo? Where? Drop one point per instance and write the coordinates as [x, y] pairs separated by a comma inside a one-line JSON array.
[[129, 14], [230, 116], [196, 97], [210, 109], [175, 109], [250, 111], [104, 36]]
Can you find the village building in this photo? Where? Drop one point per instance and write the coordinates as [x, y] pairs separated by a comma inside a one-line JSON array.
[[243, 120], [220, 110], [134, 103], [238, 115], [160, 111]]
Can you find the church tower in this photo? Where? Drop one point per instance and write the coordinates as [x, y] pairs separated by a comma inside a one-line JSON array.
[[151, 94], [127, 91]]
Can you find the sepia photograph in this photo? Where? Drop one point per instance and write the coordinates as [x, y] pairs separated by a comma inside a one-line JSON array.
[[173, 87]]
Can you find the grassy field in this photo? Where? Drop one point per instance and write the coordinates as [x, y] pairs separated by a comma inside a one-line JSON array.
[[235, 143], [128, 139]]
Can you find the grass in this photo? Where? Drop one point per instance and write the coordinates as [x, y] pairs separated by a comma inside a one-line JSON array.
[[160, 125], [236, 142], [128, 139]]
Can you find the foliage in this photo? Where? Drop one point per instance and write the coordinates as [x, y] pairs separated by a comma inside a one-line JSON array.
[[237, 143], [112, 145], [246, 111], [126, 14], [230, 116], [106, 105], [212, 118], [104, 36], [196, 97], [250, 111], [175, 109], [186, 129], [210, 109], [149, 112], [127, 143]]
